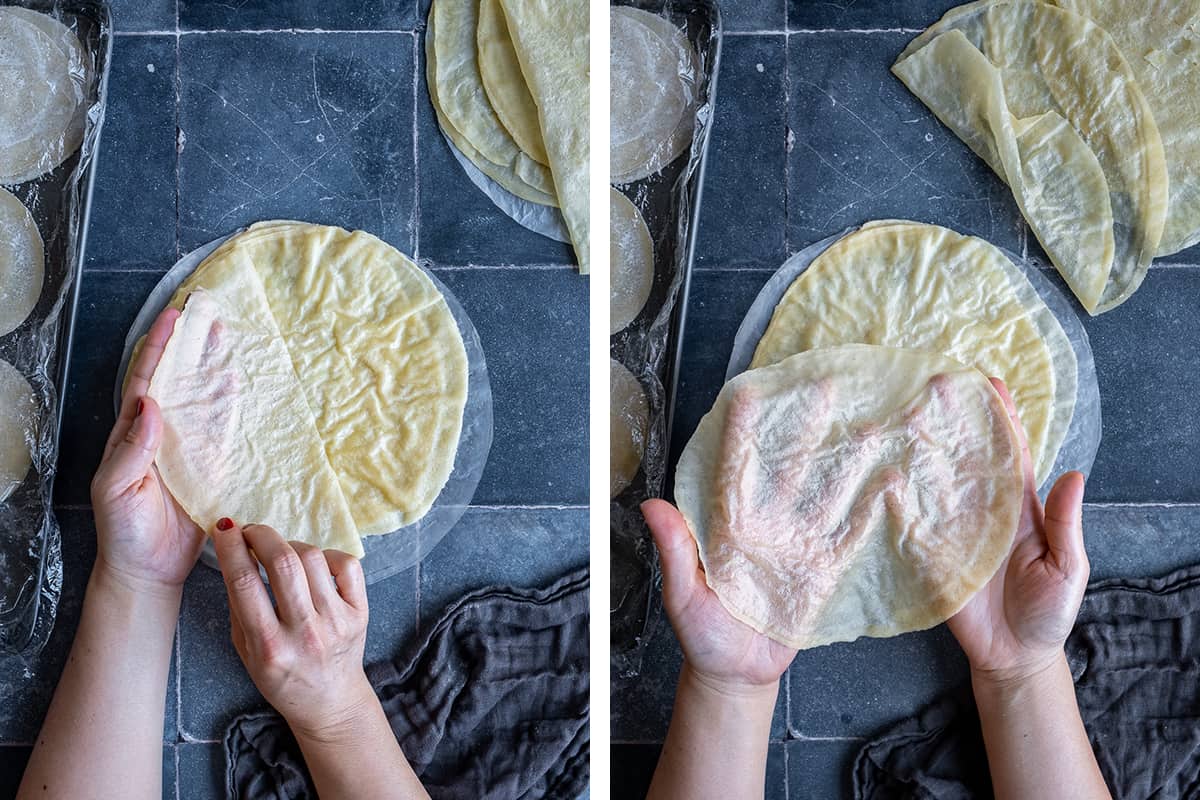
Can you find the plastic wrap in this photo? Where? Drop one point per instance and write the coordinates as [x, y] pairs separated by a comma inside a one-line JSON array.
[[1078, 450], [669, 201], [390, 553], [59, 200]]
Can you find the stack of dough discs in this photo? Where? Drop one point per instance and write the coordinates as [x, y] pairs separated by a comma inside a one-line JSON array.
[[628, 426], [42, 108], [376, 353], [22, 263], [631, 254], [18, 412], [652, 101], [851, 491], [924, 287]]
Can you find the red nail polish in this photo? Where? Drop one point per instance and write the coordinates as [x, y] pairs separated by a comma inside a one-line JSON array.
[[224, 524], [141, 407]]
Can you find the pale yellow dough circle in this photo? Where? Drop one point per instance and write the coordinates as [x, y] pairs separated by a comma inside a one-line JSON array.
[[652, 93], [631, 258], [505, 85], [375, 349], [924, 287], [851, 491], [22, 263], [41, 94], [18, 412], [628, 427]]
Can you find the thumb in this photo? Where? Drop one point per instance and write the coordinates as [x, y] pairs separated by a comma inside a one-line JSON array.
[[677, 553], [135, 452], [1064, 526]]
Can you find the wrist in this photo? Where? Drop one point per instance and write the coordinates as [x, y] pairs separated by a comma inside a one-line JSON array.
[[728, 689], [122, 585], [343, 723], [1016, 678]]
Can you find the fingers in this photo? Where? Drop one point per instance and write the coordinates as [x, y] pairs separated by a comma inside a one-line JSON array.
[[250, 607], [140, 374], [133, 455], [289, 580], [1064, 525], [347, 571], [320, 580], [677, 553], [1026, 457]]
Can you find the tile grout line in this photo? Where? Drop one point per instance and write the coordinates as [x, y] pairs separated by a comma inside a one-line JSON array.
[[180, 138], [416, 213], [268, 31], [788, 141]]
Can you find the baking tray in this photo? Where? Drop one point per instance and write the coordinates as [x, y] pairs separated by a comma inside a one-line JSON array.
[[60, 202], [650, 347]]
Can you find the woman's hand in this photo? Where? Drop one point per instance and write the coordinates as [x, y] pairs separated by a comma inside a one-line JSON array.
[[722, 651], [145, 541], [1016, 625], [306, 656]]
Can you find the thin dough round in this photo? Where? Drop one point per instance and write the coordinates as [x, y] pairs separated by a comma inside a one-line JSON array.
[[652, 93], [924, 287], [502, 78], [631, 255], [18, 412], [456, 88], [22, 263], [377, 351], [852, 491], [629, 417], [42, 109]]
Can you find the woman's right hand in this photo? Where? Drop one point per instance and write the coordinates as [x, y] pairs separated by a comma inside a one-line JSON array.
[[306, 654], [721, 651]]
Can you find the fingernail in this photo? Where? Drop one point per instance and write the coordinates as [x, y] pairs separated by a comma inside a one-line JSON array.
[[140, 407], [224, 524]]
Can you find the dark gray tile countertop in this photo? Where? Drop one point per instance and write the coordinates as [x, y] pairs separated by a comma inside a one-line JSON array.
[[813, 134], [221, 114]]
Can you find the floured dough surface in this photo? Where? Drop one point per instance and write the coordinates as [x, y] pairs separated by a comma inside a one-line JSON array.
[[552, 44], [853, 491], [22, 263], [239, 439], [1009, 77], [18, 413], [1160, 40], [924, 287], [652, 69], [376, 351], [631, 262], [464, 111], [628, 426], [42, 107], [506, 89]]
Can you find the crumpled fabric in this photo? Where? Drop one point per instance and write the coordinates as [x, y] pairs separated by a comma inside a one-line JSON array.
[[492, 704], [1135, 657]]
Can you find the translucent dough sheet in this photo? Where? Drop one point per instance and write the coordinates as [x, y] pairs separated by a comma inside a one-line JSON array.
[[1078, 450], [395, 552], [58, 197], [669, 201]]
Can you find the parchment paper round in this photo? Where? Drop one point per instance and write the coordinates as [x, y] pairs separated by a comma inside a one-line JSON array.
[[546, 220], [1078, 450], [389, 553]]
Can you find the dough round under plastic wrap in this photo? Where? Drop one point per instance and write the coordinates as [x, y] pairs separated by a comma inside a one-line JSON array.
[[906, 284], [631, 256], [629, 420], [652, 94], [851, 491], [22, 263], [42, 107], [18, 411]]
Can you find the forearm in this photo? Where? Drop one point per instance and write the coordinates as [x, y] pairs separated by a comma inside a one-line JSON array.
[[360, 760], [716, 746], [102, 736], [1036, 743]]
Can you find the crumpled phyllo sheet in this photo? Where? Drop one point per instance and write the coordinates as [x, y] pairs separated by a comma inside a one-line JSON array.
[[239, 439], [1046, 98], [851, 491], [1161, 41]]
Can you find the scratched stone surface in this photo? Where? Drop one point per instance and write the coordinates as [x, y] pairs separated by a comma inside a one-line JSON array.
[[240, 118], [814, 135]]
